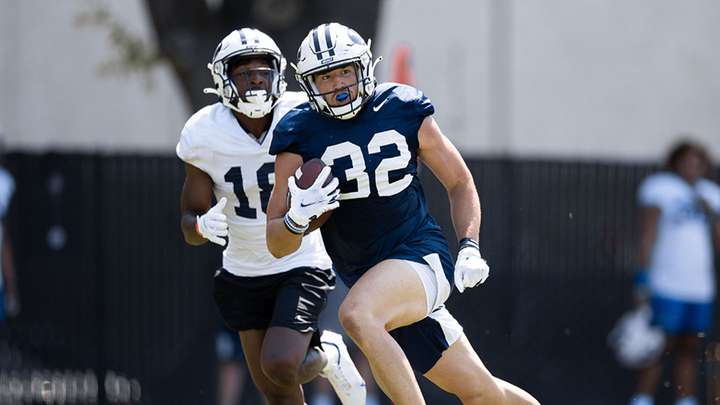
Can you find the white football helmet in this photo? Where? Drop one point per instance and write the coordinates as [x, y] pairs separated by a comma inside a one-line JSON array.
[[243, 43], [635, 341], [329, 46]]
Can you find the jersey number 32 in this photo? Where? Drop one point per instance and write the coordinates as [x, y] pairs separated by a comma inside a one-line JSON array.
[[358, 172]]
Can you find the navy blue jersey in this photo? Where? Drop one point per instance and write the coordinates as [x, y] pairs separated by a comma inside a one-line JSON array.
[[382, 213]]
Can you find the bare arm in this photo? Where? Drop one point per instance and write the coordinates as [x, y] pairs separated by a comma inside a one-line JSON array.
[[648, 232], [195, 200], [281, 242], [441, 156]]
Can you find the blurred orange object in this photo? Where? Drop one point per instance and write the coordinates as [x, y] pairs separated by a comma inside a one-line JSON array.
[[401, 67]]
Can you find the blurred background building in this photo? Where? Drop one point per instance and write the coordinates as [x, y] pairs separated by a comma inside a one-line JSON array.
[[560, 108]]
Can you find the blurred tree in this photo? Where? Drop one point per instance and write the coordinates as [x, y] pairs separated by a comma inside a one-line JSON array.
[[187, 34]]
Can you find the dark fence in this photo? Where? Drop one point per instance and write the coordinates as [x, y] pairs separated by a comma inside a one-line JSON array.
[[107, 284], [110, 289]]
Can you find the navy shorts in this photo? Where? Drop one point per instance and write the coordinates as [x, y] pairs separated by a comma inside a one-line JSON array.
[[425, 341]]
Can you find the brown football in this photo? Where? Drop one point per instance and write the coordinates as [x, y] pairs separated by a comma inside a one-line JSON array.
[[309, 172]]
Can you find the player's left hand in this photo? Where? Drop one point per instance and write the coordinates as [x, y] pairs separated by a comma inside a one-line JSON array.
[[471, 269]]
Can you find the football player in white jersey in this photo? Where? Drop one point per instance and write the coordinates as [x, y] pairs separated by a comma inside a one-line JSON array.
[[272, 303], [680, 217]]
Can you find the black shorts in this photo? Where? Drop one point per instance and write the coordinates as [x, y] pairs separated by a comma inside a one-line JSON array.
[[292, 299]]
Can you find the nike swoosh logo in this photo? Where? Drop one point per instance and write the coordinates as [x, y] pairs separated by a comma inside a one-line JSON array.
[[379, 106], [307, 205]]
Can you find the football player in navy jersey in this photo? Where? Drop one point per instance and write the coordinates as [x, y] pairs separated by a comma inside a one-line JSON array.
[[381, 238]]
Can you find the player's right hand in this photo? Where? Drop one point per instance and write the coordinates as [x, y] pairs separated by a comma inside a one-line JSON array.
[[212, 225], [308, 204]]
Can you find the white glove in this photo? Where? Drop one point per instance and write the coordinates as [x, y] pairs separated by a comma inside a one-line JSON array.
[[470, 268], [212, 225], [310, 203]]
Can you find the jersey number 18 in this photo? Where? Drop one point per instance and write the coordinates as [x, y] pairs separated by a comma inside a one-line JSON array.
[[265, 181]]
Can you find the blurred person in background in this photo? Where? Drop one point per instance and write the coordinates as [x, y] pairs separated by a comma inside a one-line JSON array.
[[383, 242], [231, 367], [680, 223], [273, 304], [9, 297]]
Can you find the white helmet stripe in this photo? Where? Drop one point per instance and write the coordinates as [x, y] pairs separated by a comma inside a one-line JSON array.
[[328, 40]]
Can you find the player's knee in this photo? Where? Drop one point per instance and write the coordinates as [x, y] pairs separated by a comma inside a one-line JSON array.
[[354, 320], [280, 371]]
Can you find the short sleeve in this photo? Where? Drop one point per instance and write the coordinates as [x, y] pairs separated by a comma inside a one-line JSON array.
[[650, 193], [414, 101], [423, 106], [407, 106], [284, 137], [185, 149]]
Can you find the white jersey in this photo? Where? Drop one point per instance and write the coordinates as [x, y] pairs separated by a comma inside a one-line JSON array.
[[681, 265], [242, 171]]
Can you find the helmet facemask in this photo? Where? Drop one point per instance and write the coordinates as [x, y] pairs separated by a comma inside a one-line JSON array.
[[250, 91], [253, 91]]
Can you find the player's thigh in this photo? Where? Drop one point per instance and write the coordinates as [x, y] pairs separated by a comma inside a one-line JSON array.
[[390, 292], [284, 348], [461, 372]]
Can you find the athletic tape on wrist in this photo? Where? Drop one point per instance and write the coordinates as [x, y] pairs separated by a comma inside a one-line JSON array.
[[468, 242], [294, 227]]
